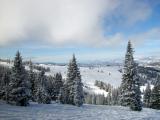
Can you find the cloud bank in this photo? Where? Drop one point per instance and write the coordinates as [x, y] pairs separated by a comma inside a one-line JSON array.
[[68, 22]]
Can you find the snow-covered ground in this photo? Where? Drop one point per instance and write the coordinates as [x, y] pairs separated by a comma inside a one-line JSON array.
[[107, 74], [68, 112]]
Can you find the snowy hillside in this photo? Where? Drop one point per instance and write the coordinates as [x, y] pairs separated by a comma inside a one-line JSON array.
[[108, 74], [68, 112]]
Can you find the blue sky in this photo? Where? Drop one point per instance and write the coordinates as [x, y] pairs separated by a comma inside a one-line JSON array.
[[51, 31]]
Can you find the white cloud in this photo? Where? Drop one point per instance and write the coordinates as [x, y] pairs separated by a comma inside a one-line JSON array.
[[65, 22], [150, 35]]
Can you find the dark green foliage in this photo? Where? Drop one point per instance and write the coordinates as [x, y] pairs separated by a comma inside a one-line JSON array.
[[57, 85], [73, 72], [4, 82], [103, 85], [147, 96], [18, 92], [73, 75], [78, 92], [31, 77], [42, 95], [155, 95], [130, 86]]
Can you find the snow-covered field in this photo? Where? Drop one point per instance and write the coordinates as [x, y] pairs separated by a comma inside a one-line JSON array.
[[108, 74], [68, 112]]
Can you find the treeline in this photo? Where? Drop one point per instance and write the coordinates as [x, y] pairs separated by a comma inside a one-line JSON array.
[[27, 63], [18, 86], [41, 68], [148, 74], [112, 98], [6, 60], [103, 85]]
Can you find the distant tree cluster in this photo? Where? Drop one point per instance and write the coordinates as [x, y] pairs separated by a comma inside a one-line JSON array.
[[148, 74], [151, 97], [5, 60], [103, 85], [41, 68], [99, 99], [5, 73]]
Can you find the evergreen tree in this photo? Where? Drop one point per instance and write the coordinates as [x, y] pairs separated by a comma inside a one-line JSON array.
[[31, 77], [109, 97], [58, 83], [63, 94], [155, 95], [6, 79], [147, 96], [130, 86], [18, 93], [4, 82], [78, 92], [50, 87], [94, 99], [73, 72], [115, 96], [136, 103], [41, 94]]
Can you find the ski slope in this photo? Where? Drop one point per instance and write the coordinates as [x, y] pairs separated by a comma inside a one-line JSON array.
[[68, 112], [107, 74]]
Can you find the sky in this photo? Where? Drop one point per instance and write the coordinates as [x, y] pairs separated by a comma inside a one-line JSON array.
[[52, 30]]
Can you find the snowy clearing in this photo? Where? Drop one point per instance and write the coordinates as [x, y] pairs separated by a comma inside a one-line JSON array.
[[107, 74], [68, 112]]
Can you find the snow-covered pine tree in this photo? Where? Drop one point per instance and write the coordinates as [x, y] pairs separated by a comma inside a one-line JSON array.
[[73, 72], [136, 103], [18, 93], [4, 81], [115, 96], [31, 77], [41, 92], [147, 96], [155, 95], [50, 86], [130, 86], [109, 97], [63, 94], [58, 83], [60, 96], [78, 92], [94, 99]]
